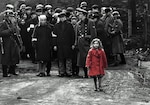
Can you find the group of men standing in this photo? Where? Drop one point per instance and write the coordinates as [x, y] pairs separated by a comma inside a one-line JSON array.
[[67, 32]]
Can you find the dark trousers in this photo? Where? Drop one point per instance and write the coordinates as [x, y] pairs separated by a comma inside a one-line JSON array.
[[8, 69], [65, 66], [48, 66], [75, 68]]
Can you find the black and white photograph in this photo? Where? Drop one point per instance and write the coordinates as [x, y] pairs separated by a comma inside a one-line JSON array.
[[74, 52]]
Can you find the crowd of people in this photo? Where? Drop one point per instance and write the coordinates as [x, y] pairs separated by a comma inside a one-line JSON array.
[[68, 34]]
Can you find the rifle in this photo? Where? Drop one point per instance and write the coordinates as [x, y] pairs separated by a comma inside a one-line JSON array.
[[2, 47], [15, 34]]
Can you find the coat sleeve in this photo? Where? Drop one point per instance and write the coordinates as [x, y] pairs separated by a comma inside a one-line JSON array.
[[104, 59], [4, 32], [73, 34], [88, 59], [92, 29]]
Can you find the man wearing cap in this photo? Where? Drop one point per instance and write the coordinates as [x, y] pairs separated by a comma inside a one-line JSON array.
[[85, 32], [48, 13], [9, 7], [9, 52], [65, 42], [108, 21], [83, 5], [117, 39]]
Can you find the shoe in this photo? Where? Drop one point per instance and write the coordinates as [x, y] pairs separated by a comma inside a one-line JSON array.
[[6, 75], [95, 90], [15, 74], [41, 75], [100, 89], [48, 75], [61, 75], [85, 76], [68, 75]]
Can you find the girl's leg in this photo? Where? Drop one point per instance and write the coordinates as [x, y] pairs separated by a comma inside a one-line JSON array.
[[95, 83], [100, 81]]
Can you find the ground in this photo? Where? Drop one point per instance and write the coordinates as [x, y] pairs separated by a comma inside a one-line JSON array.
[[120, 85]]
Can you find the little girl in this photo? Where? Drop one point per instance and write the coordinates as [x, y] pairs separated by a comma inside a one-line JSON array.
[[96, 62]]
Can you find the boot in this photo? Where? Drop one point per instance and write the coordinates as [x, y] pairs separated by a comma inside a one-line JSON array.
[[12, 70], [123, 61], [4, 68]]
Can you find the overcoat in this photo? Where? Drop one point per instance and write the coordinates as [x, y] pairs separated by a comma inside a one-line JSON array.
[[43, 34], [117, 39], [84, 28], [65, 39], [11, 54], [102, 35], [96, 61]]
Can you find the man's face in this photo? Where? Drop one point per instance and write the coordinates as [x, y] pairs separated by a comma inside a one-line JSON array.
[[84, 7], [39, 12], [62, 19], [80, 15], [28, 12], [73, 21], [12, 19], [42, 21]]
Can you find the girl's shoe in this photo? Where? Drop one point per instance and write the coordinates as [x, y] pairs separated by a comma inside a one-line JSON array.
[[41, 75], [100, 89], [95, 90]]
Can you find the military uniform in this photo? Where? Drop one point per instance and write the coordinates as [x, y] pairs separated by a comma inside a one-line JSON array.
[[9, 51]]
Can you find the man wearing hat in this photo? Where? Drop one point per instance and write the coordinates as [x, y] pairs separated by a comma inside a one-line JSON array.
[[65, 42], [9, 7], [83, 5], [85, 32], [9, 52], [39, 9], [117, 39], [48, 13], [108, 21]]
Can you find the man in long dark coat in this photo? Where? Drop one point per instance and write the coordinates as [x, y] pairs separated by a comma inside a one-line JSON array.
[[85, 32], [9, 50], [42, 39], [65, 41]]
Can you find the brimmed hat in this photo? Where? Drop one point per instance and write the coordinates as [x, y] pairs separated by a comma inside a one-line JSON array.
[[95, 6], [28, 8], [116, 13], [58, 10], [73, 18], [82, 10], [83, 4], [70, 9], [9, 6], [9, 13], [62, 14], [47, 7], [39, 6]]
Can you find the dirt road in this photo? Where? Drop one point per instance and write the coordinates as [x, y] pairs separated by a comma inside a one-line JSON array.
[[119, 84]]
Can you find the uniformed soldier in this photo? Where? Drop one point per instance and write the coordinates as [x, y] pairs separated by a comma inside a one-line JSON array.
[[9, 52], [85, 32]]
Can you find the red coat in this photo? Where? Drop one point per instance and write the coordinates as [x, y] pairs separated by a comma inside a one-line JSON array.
[[96, 62]]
